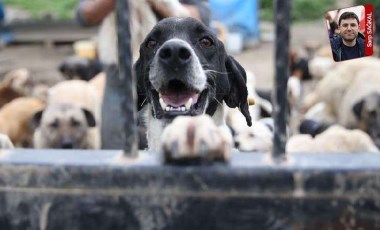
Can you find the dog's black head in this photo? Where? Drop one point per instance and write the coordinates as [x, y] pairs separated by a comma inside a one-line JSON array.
[[183, 69], [367, 111], [74, 67]]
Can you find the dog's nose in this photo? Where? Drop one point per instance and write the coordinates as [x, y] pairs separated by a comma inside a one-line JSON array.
[[174, 54], [67, 145], [237, 144]]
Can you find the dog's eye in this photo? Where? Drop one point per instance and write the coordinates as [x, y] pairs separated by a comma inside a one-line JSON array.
[[55, 124], [206, 42], [75, 123], [151, 44]]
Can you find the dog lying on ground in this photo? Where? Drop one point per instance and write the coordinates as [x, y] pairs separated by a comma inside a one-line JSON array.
[[335, 139], [71, 118], [183, 70], [257, 138], [333, 85], [15, 120], [350, 96], [361, 101]]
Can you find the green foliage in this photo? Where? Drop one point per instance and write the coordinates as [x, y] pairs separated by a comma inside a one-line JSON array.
[[59, 9], [301, 9]]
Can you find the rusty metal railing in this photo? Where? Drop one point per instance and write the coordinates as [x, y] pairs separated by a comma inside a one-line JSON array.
[[282, 22], [127, 78]]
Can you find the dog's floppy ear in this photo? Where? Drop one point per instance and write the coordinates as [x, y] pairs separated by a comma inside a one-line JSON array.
[[89, 118], [357, 109], [141, 96], [238, 94], [35, 121]]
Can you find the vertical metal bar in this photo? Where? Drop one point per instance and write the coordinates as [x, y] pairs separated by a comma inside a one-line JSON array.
[[282, 21], [127, 78]]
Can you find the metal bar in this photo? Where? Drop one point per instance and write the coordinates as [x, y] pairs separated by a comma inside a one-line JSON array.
[[127, 78], [282, 20]]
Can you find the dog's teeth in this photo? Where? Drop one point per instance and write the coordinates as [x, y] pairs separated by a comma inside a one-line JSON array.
[[162, 103], [177, 109], [189, 103]]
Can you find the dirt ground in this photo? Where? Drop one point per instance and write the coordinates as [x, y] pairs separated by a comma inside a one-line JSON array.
[[43, 61]]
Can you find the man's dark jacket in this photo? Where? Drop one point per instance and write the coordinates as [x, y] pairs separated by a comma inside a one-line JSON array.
[[337, 43]]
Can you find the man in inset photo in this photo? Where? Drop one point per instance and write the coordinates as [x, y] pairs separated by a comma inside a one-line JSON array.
[[349, 43]]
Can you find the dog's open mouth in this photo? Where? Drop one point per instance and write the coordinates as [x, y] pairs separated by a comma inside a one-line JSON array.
[[179, 99]]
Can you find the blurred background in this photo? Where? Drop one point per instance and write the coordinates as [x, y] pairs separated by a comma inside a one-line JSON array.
[[39, 34], [42, 44]]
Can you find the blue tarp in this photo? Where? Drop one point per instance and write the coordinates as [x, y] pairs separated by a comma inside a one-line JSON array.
[[238, 15], [5, 35], [1, 11]]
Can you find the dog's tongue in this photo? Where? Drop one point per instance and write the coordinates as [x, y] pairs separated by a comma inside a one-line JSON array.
[[177, 100]]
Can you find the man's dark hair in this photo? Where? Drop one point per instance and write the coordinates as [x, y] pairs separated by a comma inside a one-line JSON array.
[[347, 15]]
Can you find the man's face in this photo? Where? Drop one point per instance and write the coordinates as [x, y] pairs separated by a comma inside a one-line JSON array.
[[349, 29]]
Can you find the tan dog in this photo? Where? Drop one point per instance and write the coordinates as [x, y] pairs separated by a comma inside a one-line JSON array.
[[367, 82], [64, 126], [334, 84], [73, 112], [15, 119], [335, 139], [77, 92], [343, 92]]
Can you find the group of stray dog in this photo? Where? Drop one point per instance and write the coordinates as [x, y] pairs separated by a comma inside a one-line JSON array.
[[339, 111], [342, 111], [63, 116], [340, 114]]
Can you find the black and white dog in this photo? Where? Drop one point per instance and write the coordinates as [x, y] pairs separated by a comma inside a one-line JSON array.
[[183, 70]]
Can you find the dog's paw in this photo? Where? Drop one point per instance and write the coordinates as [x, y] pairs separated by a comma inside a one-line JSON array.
[[189, 139], [5, 142]]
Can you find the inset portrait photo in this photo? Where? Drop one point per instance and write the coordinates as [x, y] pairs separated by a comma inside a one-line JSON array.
[[350, 31]]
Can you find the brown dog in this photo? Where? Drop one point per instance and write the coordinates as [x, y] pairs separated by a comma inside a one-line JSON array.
[[15, 117], [335, 139], [19, 83], [14, 84]]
